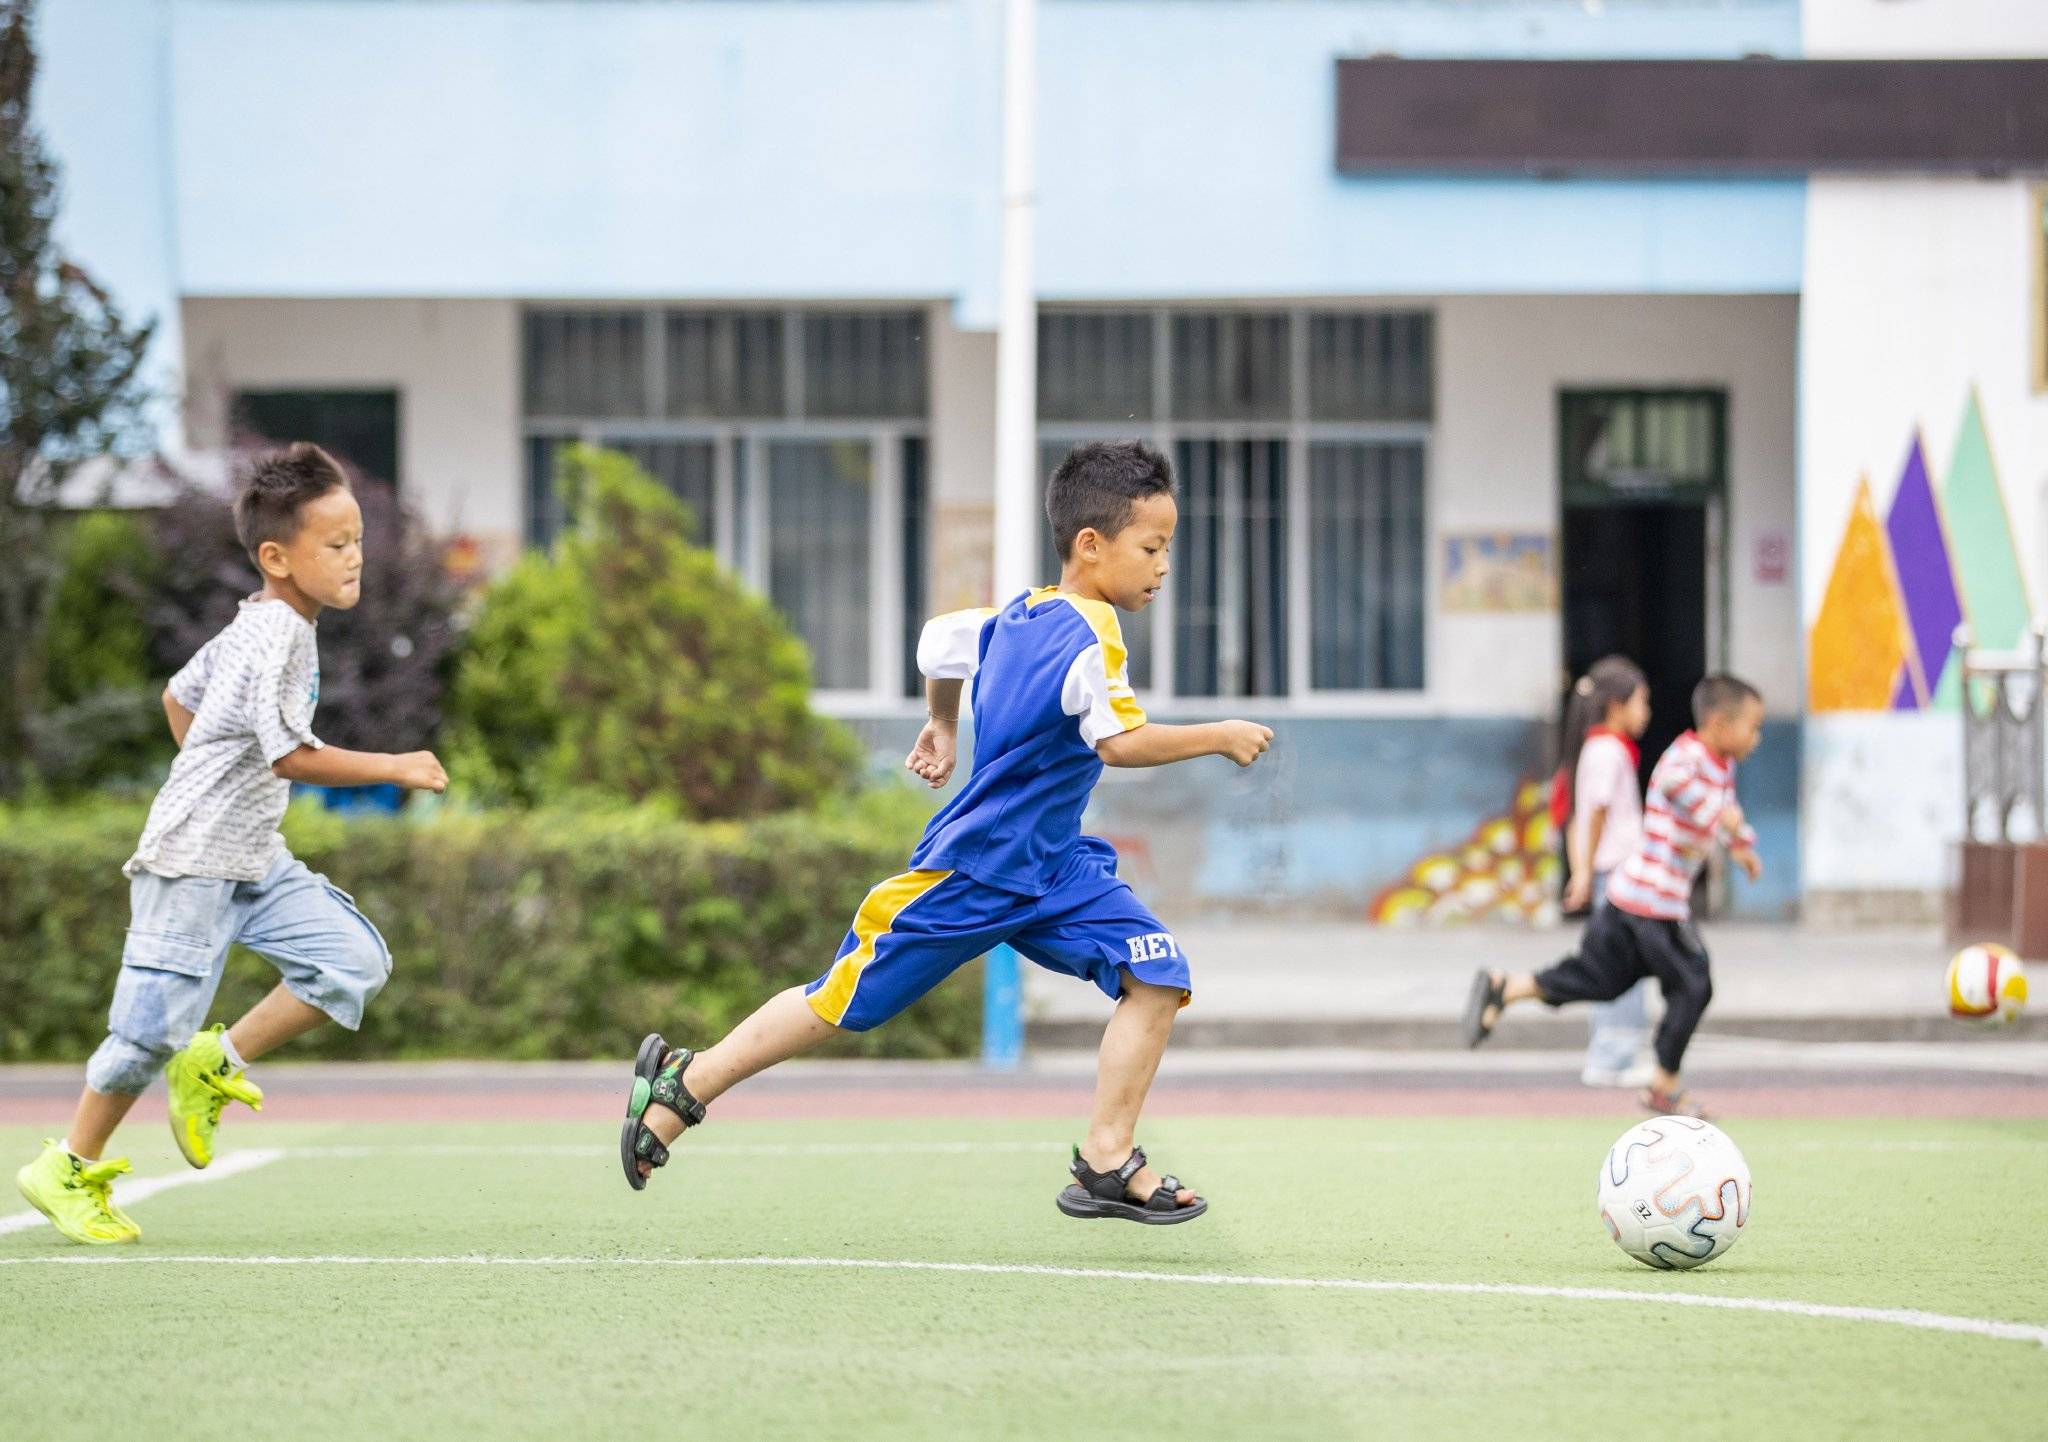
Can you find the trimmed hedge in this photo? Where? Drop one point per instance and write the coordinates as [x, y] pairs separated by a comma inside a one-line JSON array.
[[516, 934]]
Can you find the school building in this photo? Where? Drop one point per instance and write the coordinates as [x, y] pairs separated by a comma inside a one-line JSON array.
[[1488, 336]]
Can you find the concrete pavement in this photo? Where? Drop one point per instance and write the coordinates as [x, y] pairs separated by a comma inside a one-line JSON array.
[[1260, 983]]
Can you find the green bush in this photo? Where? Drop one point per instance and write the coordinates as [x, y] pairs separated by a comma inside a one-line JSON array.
[[629, 664], [548, 933], [504, 742], [99, 721], [97, 637]]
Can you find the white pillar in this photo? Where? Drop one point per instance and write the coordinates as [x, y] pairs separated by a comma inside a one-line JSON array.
[[1018, 509]]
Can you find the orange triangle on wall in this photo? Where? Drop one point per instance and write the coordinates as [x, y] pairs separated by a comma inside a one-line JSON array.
[[1858, 642]]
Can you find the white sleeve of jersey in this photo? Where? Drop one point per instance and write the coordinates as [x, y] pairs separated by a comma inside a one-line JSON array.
[[949, 648], [1105, 704], [188, 687]]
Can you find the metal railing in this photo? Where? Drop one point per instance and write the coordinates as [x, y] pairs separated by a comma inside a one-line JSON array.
[[2005, 738]]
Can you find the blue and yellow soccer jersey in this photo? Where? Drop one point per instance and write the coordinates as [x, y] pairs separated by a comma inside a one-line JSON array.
[[1005, 860], [1049, 684]]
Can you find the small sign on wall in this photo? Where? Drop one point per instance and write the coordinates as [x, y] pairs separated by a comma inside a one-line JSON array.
[[1773, 556], [1499, 571]]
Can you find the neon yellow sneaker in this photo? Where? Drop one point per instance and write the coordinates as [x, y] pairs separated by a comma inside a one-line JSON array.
[[77, 1196], [202, 1082]]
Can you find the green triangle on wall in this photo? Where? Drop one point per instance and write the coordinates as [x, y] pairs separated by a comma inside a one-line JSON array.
[[1949, 694], [1987, 561]]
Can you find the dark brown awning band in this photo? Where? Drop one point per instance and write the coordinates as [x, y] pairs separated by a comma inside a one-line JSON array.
[[1679, 117]]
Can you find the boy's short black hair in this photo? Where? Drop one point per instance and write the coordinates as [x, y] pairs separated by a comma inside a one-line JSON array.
[[1097, 486], [277, 486], [1719, 694]]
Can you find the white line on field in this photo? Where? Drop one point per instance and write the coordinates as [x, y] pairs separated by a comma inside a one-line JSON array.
[[1893, 1316], [1929, 1144], [233, 1164]]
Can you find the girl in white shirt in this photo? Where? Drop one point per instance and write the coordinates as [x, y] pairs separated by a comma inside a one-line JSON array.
[[1609, 711]]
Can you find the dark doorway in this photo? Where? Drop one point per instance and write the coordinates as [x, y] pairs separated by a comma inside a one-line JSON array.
[[1643, 475], [1635, 582], [360, 427]]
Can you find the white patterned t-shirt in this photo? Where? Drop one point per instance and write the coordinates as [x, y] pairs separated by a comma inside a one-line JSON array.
[[251, 691]]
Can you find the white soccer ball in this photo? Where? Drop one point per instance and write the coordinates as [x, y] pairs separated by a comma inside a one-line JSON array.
[[1986, 983], [1674, 1192]]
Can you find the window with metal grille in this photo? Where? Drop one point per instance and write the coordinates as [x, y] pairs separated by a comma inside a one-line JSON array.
[[1365, 566], [586, 364], [1230, 367], [1642, 443], [1095, 366], [858, 364], [1369, 367], [725, 364], [795, 437], [1230, 610], [1299, 438]]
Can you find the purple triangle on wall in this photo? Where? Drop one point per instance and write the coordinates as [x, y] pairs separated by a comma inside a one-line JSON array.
[[1927, 580], [1904, 699]]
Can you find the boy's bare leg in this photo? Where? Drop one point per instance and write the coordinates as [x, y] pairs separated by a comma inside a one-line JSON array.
[[783, 1027], [1517, 986], [272, 1022], [92, 1125], [1132, 1044]]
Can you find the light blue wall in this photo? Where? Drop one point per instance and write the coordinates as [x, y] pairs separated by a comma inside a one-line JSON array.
[[841, 148], [1343, 806], [787, 149]]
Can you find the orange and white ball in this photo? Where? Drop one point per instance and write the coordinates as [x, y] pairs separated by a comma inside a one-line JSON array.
[[1986, 983]]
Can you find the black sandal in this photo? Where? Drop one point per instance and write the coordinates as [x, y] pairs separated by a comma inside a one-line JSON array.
[[1487, 991], [1107, 1194], [657, 1080]]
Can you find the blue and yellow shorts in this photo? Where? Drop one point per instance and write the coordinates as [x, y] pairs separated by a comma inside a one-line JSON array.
[[915, 930]]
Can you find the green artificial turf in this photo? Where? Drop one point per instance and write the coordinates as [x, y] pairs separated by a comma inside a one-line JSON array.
[[1940, 1216]]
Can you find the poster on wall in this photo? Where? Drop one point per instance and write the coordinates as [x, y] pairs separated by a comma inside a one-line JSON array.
[[1499, 571]]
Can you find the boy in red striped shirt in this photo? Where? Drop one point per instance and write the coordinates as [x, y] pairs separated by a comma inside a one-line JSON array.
[[1646, 928]]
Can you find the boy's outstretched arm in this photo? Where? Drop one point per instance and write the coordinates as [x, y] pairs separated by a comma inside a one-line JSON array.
[[1741, 839], [1157, 744], [938, 746], [332, 766]]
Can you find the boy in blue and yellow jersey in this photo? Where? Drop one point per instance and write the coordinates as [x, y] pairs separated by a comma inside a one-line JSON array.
[[1005, 861]]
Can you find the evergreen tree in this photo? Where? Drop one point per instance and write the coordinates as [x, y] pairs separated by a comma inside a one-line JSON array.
[[68, 387], [629, 664]]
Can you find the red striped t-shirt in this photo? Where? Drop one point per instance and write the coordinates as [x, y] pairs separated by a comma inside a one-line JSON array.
[[1689, 790]]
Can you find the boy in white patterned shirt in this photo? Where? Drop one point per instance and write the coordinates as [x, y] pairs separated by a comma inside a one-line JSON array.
[[1646, 928], [211, 868]]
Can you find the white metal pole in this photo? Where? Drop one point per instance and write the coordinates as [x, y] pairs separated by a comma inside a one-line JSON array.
[[1017, 495]]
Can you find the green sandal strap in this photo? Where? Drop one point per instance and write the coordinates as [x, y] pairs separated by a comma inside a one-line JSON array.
[[668, 1090]]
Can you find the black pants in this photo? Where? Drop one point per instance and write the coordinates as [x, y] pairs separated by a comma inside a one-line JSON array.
[[1618, 950]]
